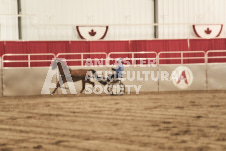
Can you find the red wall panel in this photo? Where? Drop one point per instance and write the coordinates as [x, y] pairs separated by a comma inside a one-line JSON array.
[[16, 47], [2, 48], [210, 44], [21, 47], [159, 46], [110, 46], [39, 47], [77, 47]]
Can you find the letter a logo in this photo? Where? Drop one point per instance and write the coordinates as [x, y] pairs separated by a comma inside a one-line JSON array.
[[182, 77]]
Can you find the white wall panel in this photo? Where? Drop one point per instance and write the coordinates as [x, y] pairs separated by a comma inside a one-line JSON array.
[[188, 12], [63, 15], [8, 20], [91, 12]]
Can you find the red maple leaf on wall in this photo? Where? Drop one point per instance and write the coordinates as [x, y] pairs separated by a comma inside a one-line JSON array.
[[92, 33], [208, 31]]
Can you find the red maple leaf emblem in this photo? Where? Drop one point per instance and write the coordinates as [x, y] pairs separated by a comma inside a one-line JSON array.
[[208, 31], [92, 33]]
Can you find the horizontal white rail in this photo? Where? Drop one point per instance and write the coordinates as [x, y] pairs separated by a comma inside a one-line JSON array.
[[28, 60], [182, 58], [214, 55], [82, 56], [133, 58]]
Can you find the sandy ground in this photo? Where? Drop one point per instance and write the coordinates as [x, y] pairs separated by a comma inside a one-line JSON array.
[[190, 121]]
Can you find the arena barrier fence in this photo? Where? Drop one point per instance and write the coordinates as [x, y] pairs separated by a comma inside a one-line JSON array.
[[26, 80], [134, 58], [182, 57], [216, 69], [197, 65], [82, 59], [26, 60], [203, 70]]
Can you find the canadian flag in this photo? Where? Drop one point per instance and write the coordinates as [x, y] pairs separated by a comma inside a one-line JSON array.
[[208, 30], [92, 32]]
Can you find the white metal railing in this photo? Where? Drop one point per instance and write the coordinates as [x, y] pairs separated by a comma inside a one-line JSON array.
[[182, 58], [133, 58], [214, 56], [28, 60], [204, 56], [82, 58]]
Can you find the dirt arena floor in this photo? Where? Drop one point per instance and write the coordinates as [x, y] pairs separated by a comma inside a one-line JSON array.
[[189, 121]]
